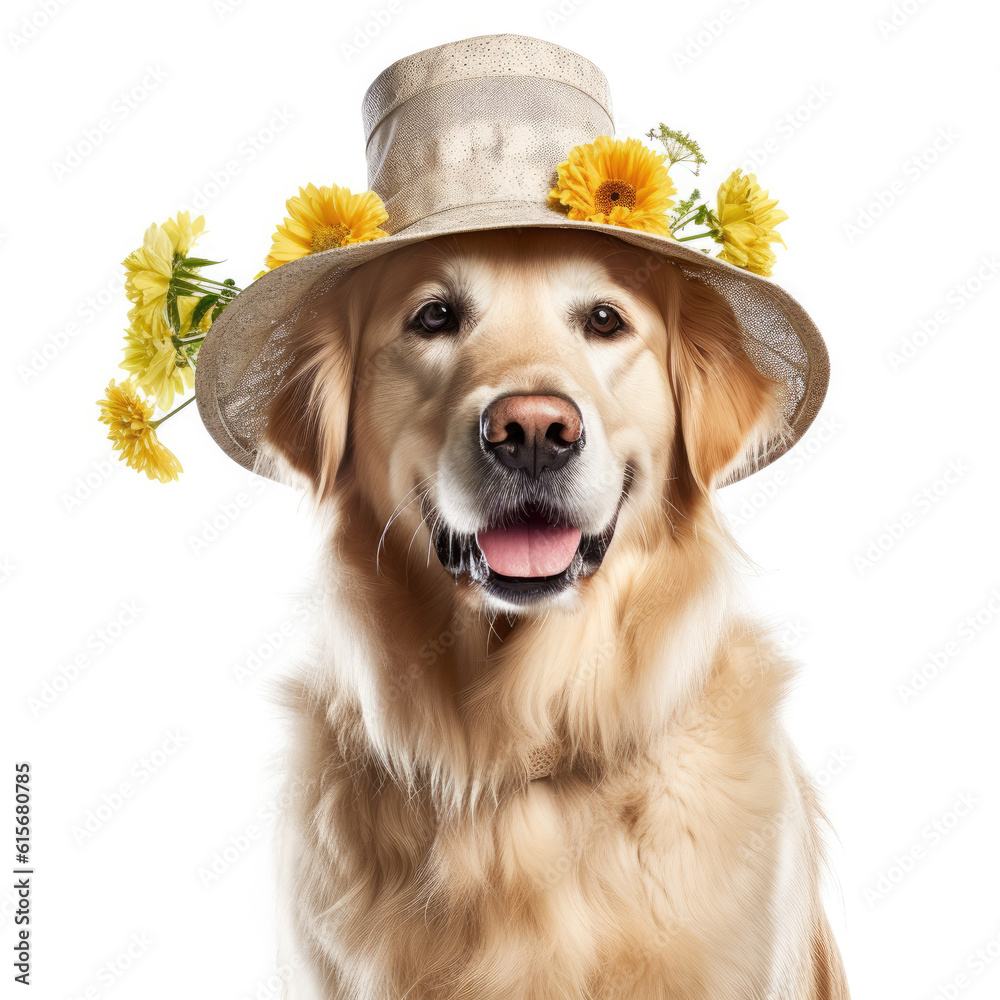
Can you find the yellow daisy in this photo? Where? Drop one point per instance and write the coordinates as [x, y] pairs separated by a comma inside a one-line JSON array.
[[169, 371], [615, 182], [159, 367], [162, 370], [140, 346], [746, 221], [184, 233], [132, 433], [148, 271], [321, 218]]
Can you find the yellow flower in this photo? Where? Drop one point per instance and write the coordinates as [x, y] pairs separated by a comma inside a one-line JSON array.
[[160, 367], [148, 271], [139, 347], [132, 433], [326, 217], [619, 183], [747, 218], [184, 233], [157, 366], [168, 372]]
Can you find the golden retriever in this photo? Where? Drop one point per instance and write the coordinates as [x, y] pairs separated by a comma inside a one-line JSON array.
[[537, 750]]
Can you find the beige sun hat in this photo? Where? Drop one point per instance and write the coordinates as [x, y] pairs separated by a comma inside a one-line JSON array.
[[461, 138]]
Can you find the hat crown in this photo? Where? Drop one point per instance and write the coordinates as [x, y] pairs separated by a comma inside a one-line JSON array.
[[481, 121]]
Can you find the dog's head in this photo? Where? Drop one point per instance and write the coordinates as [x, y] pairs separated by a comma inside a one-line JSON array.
[[513, 399]]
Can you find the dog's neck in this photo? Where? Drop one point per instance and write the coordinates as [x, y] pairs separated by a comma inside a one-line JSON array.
[[474, 705]]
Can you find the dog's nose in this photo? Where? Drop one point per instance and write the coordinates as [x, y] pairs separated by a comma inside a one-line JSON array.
[[532, 432]]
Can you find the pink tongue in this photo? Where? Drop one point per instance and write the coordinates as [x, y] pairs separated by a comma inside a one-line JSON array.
[[532, 548]]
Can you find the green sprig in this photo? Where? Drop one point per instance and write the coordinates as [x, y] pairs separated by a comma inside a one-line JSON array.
[[680, 147]]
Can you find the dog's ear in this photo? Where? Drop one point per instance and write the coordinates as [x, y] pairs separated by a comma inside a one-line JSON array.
[[307, 419], [728, 410]]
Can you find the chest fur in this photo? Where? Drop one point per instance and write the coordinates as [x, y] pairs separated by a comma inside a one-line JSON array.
[[635, 884]]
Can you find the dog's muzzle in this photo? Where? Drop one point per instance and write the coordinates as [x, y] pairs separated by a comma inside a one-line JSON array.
[[529, 547]]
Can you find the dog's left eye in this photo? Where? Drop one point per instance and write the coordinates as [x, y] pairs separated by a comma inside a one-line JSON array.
[[604, 320], [436, 317]]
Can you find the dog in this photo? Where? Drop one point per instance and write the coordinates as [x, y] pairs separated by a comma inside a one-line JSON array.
[[536, 750]]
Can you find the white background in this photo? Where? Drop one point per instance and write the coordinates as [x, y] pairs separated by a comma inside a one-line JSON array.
[[275, 90]]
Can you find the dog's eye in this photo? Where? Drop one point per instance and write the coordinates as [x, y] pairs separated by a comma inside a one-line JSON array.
[[436, 317], [604, 320]]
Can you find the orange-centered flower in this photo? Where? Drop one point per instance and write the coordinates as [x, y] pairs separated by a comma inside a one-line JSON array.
[[323, 218], [615, 182]]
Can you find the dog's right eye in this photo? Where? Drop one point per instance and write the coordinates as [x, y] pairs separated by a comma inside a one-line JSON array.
[[436, 317]]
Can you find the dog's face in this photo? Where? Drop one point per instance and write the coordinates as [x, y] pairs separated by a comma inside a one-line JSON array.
[[510, 400]]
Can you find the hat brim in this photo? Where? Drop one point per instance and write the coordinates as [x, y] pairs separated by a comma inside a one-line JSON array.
[[243, 361]]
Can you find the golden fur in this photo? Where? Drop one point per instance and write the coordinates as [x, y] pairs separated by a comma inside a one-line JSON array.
[[674, 851]]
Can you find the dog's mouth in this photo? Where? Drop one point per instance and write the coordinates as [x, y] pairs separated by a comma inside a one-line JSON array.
[[529, 554], [529, 547]]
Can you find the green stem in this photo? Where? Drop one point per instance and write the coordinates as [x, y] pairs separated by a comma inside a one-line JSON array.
[[196, 338], [191, 278], [177, 409], [687, 218], [182, 287], [693, 236]]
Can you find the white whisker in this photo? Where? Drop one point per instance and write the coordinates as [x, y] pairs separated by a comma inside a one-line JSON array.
[[398, 510]]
